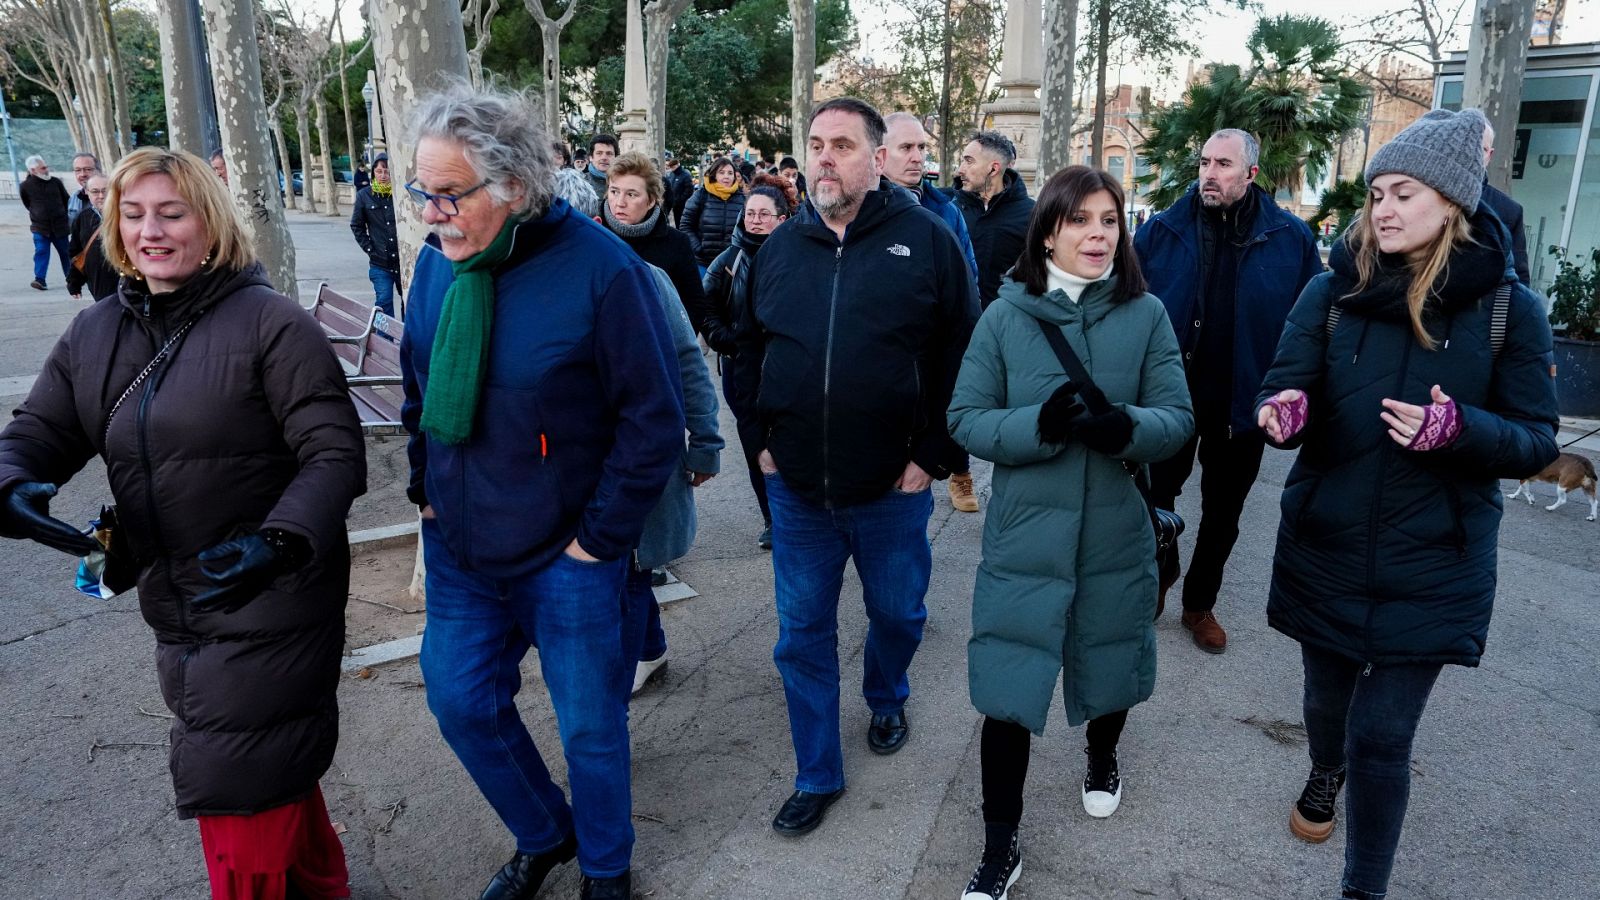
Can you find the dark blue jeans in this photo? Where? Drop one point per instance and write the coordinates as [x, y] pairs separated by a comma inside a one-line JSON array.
[[41, 255], [888, 539], [479, 629], [1365, 720], [646, 638], [383, 282]]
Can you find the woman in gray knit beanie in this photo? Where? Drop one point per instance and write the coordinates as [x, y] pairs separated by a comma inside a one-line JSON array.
[[1411, 377]]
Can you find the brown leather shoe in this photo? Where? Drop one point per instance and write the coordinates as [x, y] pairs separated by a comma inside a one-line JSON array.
[[1208, 635], [962, 497]]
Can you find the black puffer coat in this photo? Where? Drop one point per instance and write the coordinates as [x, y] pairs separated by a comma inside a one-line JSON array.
[[727, 282], [97, 273], [997, 231], [1387, 555], [709, 221], [248, 425]]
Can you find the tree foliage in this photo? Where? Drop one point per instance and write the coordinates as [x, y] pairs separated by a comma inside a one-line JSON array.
[[1295, 98], [1340, 202]]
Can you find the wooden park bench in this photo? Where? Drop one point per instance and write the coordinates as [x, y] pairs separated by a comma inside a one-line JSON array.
[[367, 343]]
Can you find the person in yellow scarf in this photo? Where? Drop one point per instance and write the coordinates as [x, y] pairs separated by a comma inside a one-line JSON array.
[[372, 222], [713, 212]]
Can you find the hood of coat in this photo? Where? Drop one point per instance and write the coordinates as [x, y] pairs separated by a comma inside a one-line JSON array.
[[877, 207], [199, 293], [1055, 307], [1476, 268], [746, 241]]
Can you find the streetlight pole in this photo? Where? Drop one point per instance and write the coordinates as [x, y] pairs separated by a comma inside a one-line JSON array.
[[368, 93], [83, 130], [11, 151]]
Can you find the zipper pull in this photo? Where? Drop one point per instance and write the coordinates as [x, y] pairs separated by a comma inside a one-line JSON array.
[[544, 449], [838, 252], [1367, 671]]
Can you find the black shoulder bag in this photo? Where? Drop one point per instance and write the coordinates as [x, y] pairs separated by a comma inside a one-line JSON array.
[[1166, 524]]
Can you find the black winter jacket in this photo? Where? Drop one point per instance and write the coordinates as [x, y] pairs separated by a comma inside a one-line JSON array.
[[372, 222], [997, 231], [247, 425], [1510, 213], [858, 347], [1387, 555], [727, 287], [46, 202], [668, 250], [680, 184], [709, 221], [97, 273]]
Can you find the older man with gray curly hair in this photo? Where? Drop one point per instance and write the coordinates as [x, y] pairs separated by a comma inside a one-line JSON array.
[[545, 413]]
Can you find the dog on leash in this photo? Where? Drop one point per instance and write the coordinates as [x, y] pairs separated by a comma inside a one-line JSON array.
[[1568, 473]]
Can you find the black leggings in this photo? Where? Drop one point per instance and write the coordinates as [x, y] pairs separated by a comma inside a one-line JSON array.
[[1004, 756]]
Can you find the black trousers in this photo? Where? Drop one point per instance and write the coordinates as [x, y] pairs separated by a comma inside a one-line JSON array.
[[1003, 751], [738, 390], [1228, 468]]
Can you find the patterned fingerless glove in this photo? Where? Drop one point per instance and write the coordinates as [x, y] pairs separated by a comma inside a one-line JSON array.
[[1441, 423], [1292, 414]]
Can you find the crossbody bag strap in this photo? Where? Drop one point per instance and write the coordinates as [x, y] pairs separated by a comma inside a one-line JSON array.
[[160, 357]]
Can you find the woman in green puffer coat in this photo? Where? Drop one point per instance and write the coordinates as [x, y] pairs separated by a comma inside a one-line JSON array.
[[1067, 585]]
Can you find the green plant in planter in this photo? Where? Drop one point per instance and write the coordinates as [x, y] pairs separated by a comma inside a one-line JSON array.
[[1575, 296]]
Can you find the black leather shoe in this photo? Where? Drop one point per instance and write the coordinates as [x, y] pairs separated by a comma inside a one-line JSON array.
[[888, 733], [803, 812], [521, 878], [619, 887]]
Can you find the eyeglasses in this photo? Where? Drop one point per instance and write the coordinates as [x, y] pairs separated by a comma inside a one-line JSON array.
[[448, 205], [759, 215]]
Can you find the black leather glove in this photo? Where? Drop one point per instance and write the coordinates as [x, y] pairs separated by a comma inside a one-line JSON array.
[[720, 339], [259, 558], [25, 514], [1054, 416], [1106, 433]]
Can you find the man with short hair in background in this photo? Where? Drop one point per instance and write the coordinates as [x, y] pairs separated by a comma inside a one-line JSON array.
[[997, 208], [679, 186], [45, 199], [905, 164], [602, 150], [1509, 211], [1228, 263], [84, 166], [219, 164]]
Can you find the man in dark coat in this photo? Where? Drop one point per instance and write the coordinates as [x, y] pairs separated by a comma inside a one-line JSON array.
[[602, 150], [906, 143], [45, 198], [996, 206], [540, 442], [864, 305], [1510, 213], [680, 185], [84, 166], [372, 222], [1228, 264]]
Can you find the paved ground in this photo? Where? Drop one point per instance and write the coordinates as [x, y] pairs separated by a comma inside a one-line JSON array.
[[1502, 802]]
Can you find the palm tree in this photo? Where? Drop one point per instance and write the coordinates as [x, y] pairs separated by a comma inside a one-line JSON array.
[[1294, 98]]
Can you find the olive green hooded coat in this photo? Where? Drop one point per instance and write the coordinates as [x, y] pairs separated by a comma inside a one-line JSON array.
[[1067, 583]]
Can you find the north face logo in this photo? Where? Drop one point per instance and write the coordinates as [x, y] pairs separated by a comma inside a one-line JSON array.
[[899, 249]]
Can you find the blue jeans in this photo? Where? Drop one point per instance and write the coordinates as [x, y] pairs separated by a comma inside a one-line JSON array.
[[479, 629], [888, 539], [1365, 720], [645, 637], [41, 255], [383, 282]]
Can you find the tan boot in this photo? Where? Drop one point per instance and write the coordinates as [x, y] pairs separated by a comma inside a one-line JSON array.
[[962, 496], [1208, 634]]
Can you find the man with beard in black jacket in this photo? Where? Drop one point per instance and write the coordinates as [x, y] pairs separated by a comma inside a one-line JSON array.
[[863, 306], [997, 208]]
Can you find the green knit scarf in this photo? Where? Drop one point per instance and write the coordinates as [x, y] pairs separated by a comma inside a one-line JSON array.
[[461, 343]]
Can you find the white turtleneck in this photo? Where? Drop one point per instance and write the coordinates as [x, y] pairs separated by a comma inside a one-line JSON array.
[[1060, 279]]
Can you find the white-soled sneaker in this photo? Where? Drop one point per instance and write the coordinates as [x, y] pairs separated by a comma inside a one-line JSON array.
[[1102, 786], [997, 871], [646, 671]]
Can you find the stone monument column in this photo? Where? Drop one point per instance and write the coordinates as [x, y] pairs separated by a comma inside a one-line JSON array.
[[635, 94], [1016, 113]]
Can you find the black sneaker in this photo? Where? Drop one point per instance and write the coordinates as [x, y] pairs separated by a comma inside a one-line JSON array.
[[38, 285], [765, 540], [1102, 786], [1311, 819], [997, 871]]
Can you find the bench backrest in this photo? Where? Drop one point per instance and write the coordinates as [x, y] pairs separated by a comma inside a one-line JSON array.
[[344, 320], [376, 389]]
